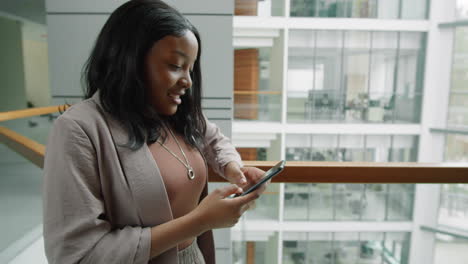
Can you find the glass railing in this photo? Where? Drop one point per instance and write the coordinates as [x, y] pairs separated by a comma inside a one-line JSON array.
[[313, 217], [298, 214], [450, 244], [35, 127], [453, 210], [450, 249], [258, 106], [23, 135], [348, 202], [319, 106], [356, 148], [20, 203]]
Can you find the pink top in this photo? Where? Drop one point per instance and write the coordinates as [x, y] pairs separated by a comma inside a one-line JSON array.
[[184, 194]]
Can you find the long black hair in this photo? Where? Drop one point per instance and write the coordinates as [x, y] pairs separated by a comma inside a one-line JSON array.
[[116, 68]]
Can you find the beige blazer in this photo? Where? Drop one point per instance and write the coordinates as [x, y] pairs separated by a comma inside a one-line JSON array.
[[101, 199]]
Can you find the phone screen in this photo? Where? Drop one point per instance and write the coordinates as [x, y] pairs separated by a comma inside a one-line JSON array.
[[275, 170]]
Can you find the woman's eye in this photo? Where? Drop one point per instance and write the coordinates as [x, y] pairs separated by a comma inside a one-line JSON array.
[[177, 67]]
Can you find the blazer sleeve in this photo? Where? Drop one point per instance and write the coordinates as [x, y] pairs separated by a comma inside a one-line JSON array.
[[74, 227], [219, 149]]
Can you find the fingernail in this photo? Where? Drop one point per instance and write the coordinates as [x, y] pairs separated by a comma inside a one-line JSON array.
[[243, 180]]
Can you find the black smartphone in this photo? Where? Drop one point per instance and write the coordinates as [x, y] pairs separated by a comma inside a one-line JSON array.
[[275, 170]]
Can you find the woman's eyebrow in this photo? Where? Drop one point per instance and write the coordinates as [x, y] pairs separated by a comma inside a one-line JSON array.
[[181, 53]]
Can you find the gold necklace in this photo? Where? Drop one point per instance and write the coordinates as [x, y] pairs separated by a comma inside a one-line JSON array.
[[190, 172]]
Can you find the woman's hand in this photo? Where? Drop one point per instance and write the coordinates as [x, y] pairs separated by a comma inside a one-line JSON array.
[[218, 211], [254, 175], [243, 177], [234, 175]]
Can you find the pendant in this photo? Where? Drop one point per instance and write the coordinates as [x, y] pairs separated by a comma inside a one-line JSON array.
[[190, 173]]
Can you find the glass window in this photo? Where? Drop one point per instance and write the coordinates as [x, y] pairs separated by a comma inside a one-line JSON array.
[[378, 148], [373, 202], [357, 9], [356, 74], [326, 100], [352, 148], [414, 9], [350, 201], [370, 247], [267, 205], [254, 247], [462, 9], [345, 247], [404, 148], [308, 201], [396, 247], [408, 93], [382, 76], [324, 148], [456, 148], [265, 147], [301, 72], [444, 249], [458, 104], [298, 147], [304, 8], [296, 201], [264, 8], [388, 9], [453, 210], [312, 147], [399, 206], [257, 95], [385, 9]]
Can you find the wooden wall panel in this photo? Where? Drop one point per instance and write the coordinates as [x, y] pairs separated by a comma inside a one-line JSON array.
[[250, 252], [245, 8], [248, 153], [246, 78]]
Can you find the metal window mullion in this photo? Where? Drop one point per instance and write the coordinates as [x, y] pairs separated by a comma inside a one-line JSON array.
[[395, 77], [383, 247], [387, 197], [314, 60], [369, 70], [400, 9], [341, 88]]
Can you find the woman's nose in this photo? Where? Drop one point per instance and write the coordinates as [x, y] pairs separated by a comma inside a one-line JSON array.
[[186, 81]]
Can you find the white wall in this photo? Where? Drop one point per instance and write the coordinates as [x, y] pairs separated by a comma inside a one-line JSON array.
[[12, 86], [36, 68]]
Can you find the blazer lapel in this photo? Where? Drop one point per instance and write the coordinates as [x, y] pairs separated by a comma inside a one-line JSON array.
[[142, 175]]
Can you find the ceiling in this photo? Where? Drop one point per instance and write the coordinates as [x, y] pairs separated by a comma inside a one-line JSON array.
[[29, 10]]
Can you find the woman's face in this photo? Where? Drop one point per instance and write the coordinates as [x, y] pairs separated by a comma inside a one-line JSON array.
[[168, 66]]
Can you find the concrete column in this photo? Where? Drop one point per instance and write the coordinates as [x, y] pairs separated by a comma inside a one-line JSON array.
[[434, 112]]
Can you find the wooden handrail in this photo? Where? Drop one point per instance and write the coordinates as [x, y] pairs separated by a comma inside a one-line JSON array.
[[4, 116], [302, 172], [24, 146], [363, 172]]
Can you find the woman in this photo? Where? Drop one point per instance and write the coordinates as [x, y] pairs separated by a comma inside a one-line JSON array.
[[125, 176]]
